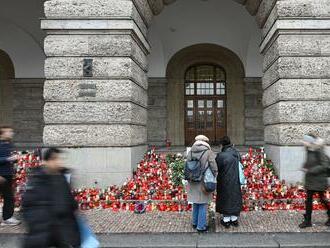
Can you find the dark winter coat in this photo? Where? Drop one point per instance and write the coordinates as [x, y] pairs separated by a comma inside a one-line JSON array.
[[229, 195], [316, 166], [6, 167], [49, 211]]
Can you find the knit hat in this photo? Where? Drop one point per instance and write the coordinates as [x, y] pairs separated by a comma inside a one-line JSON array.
[[202, 138]]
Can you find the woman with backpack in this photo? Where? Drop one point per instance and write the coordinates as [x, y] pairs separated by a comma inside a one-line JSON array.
[[204, 158], [317, 169]]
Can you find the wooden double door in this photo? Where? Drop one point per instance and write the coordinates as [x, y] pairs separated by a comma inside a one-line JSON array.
[[205, 103]]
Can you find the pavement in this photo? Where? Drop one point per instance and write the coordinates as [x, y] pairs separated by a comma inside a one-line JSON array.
[[166, 229]]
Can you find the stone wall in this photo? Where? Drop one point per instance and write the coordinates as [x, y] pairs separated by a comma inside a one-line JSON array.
[[100, 115], [254, 127], [27, 112], [296, 80], [157, 111]]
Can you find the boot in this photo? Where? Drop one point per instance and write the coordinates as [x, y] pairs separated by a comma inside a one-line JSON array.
[[306, 223]]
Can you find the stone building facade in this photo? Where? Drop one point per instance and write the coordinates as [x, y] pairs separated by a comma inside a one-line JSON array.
[[102, 106]]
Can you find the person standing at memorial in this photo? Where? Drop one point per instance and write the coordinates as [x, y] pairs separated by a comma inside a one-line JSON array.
[[7, 160], [229, 196], [201, 152]]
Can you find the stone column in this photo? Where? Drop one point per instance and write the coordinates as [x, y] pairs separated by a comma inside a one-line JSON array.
[[98, 114], [296, 80]]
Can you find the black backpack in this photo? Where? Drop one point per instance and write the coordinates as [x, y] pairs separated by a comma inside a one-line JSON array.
[[193, 171]]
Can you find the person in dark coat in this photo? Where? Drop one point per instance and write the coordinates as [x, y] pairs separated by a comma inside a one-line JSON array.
[[229, 195], [315, 167], [7, 159], [49, 206]]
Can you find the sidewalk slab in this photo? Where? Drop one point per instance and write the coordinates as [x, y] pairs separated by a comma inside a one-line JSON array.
[[172, 240], [226, 240], [303, 240]]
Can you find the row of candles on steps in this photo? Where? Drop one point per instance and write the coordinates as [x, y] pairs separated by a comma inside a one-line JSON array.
[[152, 184]]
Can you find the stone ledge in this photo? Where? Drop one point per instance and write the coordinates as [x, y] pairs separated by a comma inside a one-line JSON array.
[[58, 9], [297, 9], [94, 135], [107, 67], [95, 45], [295, 26], [297, 112], [105, 90], [291, 134], [93, 26], [94, 112]]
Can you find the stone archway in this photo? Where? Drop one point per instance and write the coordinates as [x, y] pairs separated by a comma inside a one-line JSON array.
[[258, 8], [199, 54], [7, 72]]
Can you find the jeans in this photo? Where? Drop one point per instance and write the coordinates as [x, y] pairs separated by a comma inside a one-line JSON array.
[[199, 215], [309, 203], [6, 190]]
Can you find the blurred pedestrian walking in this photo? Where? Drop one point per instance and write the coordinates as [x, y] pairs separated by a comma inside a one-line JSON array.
[[49, 208], [316, 167]]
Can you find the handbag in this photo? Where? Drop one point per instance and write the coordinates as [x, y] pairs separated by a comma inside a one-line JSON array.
[[242, 178], [88, 238], [210, 181]]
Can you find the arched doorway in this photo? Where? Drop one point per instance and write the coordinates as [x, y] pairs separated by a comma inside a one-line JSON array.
[[205, 65], [7, 73], [205, 102]]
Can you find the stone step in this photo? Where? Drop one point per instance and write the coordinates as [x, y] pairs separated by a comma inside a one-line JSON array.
[[182, 149], [194, 240]]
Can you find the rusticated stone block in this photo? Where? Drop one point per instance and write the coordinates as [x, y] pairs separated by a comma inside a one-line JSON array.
[[297, 45], [157, 113], [305, 8], [292, 134], [106, 90], [297, 67], [96, 8], [94, 112], [297, 111], [144, 10], [119, 68], [95, 45], [94, 135], [264, 11], [297, 89], [253, 123]]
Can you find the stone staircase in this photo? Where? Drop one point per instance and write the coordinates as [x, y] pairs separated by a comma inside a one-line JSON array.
[[182, 149]]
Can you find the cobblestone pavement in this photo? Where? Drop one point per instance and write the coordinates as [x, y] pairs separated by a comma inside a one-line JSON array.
[[106, 221]]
